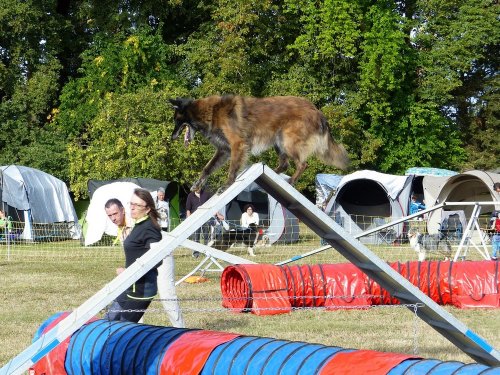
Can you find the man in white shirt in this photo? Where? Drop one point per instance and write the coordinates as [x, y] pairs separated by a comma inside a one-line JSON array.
[[162, 207]]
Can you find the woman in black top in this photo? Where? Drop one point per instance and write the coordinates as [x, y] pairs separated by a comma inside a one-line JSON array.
[[131, 304]]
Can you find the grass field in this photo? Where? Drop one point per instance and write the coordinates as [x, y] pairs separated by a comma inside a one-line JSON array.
[[38, 284]]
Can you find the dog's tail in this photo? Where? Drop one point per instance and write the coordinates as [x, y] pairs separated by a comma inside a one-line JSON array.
[[333, 153]]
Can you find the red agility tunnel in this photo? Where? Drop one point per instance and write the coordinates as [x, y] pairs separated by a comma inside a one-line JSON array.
[[269, 289], [103, 347]]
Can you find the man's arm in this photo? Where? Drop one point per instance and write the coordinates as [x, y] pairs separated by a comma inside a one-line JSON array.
[[189, 205]]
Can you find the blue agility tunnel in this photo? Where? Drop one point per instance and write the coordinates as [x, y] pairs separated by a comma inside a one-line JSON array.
[[114, 347]]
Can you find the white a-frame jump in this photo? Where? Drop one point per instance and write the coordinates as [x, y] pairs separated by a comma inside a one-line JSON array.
[[314, 218]]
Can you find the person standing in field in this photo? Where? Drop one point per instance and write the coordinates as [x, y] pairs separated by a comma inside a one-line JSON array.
[[131, 304], [163, 209]]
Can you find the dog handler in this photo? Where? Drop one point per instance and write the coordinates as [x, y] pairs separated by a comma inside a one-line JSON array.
[[138, 297]]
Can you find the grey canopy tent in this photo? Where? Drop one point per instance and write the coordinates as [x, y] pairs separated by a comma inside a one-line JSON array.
[[279, 224], [38, 203], [367, 199], [470, 186]]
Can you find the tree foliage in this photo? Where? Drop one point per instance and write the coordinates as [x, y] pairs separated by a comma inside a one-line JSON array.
[[84, 85]]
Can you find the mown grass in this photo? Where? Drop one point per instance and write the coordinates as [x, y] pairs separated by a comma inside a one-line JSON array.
[[34, 290]]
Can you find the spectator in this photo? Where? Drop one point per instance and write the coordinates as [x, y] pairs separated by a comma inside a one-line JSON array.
[[249, 221], [415, 206], [163, 209], [495, 238], [5, 221], [217, 225], [249, 216], [116, 213], [194, 200], [5, 225]]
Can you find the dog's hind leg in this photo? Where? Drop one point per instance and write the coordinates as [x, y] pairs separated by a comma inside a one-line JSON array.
[[297, 150], [219, 158], [300, 167]]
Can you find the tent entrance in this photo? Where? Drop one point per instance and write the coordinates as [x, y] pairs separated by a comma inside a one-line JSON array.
[[361, 199], [257, 198]]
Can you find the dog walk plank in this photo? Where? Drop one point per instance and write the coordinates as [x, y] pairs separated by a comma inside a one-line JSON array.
[[356, 252]]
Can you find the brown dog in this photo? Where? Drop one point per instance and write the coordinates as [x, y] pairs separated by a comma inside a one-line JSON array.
[[238, 126]]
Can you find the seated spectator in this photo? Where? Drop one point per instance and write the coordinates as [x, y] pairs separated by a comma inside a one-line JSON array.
[[249, 222], [217, 225], [249, 217]]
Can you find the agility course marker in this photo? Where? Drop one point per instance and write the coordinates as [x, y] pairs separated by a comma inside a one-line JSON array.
[[442, 321], [211, 256]]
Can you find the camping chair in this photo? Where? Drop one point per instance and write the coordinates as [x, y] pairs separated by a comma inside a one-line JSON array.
[[451, 227], [386, 235]]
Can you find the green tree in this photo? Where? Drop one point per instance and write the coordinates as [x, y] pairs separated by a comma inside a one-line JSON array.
[[29, 84], [401, 83], [120, 64], [457, 43], [130, 136]]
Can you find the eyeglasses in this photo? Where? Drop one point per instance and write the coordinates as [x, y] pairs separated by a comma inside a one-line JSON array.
[[133, 204]]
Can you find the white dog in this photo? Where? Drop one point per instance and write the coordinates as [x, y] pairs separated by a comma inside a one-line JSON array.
[[424, 243]]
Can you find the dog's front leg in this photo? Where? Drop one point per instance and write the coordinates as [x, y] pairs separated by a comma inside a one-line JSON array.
[[239, 153], [219, 158]]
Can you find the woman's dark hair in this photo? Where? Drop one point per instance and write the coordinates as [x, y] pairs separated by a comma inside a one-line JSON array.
[[247, 206], [146, 196]]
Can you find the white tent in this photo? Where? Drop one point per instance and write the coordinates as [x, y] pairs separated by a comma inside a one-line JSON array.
[[365, 199], [97, 221], [100, 191], [38, 200]]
